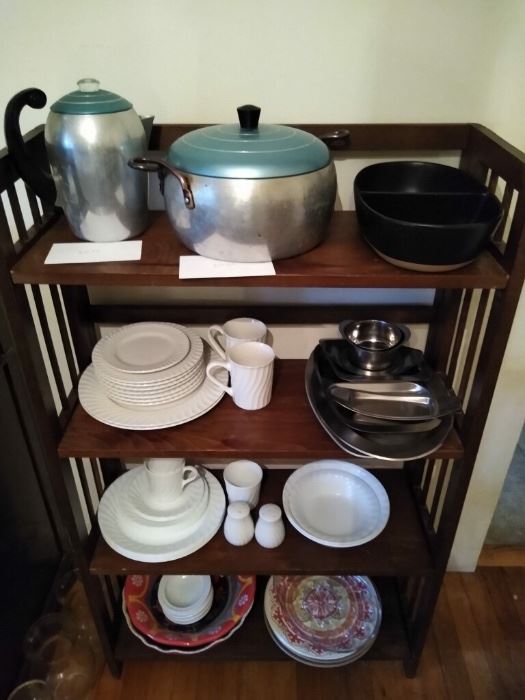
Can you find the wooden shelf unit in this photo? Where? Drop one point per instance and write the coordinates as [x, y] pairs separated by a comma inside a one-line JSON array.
[[52, 348]]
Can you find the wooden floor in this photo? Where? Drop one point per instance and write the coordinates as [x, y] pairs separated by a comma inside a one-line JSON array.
[[476, 649]]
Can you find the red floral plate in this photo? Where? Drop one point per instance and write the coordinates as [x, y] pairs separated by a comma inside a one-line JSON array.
[[326, 613], [233, 599]]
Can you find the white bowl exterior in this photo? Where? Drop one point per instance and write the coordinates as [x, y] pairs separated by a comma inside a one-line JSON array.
[[317, 527]]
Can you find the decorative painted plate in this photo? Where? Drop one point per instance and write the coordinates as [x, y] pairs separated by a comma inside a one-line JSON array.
[[233, 599], [317, 615]]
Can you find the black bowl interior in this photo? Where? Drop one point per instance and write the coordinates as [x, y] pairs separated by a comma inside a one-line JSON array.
[[435, 209], [414, 177]]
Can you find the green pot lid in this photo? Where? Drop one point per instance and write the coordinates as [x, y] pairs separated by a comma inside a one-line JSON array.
[[248, 151], [90, 99]]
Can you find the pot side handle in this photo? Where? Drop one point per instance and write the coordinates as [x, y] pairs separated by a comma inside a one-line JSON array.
[[338, 140], [30, 170], [158, 165]]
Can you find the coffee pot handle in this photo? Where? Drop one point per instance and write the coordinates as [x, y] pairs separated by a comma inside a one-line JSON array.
[[28, 163]]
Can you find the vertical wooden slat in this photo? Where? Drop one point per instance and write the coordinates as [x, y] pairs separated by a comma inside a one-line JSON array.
[[33, 205], [39, 304], [493, 181], [17, 212], [462, 321], [62, 325], [473, 344], [506, 204], [436, 497], [96, 476], [77, 305], [428, 477], [441, 330], [86, 493]]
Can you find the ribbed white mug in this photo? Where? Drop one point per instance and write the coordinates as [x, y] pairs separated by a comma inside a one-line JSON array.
[[235, 331], [251, 369]]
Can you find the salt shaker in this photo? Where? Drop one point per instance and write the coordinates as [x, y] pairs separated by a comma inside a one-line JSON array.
[[269, 531], [238, 526]]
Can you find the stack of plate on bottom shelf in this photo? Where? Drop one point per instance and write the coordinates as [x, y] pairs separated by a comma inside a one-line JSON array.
[[322, 621], [232, 600], [149, 375]]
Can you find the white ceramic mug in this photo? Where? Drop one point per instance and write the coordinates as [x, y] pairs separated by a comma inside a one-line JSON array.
[[242, 479], [167, 479], [235, 331], [251, 368]]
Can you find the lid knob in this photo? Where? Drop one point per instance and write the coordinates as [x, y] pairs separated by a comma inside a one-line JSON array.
[[88, 85], [249, 117]]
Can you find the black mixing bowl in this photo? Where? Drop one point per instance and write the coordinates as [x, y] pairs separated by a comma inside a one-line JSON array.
[[424, 216]]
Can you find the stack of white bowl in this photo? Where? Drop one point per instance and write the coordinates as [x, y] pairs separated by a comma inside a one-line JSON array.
[[149, 364], [185, 599]]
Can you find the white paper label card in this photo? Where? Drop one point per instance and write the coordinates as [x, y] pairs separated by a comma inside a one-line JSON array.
[[197, 266], [64, 253]]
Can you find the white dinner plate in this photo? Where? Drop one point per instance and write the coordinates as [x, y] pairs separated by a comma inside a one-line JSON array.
[[336, 503], [156, 399], [148, 378], [110, 525], [98, 405], [159, 388], [146, 347]]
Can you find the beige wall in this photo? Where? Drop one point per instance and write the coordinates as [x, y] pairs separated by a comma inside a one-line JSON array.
[[301, 60]]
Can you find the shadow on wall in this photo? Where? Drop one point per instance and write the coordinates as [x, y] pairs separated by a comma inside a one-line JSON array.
[[508, 524]]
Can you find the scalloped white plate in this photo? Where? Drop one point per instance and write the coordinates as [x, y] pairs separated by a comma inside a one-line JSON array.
[[203, 531], [149, 379], [94, 400], [145, 347]]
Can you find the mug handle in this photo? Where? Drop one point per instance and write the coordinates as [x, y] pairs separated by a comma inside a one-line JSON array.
[[194, 474], [214, 331], [213, 365]]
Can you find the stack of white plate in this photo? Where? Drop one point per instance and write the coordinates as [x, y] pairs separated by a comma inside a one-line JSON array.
[[322, 621], [149, 364], [146, 376], [133, 528]]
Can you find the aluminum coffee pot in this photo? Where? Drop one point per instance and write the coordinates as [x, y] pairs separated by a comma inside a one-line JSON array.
[[90, 135]]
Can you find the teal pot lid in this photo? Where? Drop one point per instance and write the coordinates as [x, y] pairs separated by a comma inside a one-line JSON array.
[[90, 99], [247, 150]]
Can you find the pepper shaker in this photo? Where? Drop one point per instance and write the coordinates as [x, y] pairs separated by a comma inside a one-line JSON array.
[[269, 531], [238, 526]]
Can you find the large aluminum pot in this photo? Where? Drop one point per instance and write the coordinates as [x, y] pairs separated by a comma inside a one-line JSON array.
[[90, 135], [248, 193]]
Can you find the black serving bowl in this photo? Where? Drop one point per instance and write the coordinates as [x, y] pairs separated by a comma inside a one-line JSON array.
[[424, 216]]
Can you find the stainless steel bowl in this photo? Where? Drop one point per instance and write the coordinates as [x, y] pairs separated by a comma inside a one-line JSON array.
[[373, 344]]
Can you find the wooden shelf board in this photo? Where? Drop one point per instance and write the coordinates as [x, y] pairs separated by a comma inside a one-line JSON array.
[[344, 259], [285, 429], [252, 640], [401, 549]]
